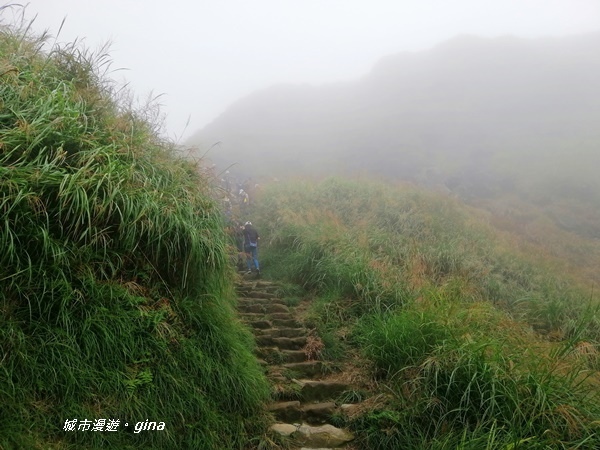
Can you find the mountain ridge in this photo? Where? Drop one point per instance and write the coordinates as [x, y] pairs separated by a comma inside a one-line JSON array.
[[481, 117], [447, 88]]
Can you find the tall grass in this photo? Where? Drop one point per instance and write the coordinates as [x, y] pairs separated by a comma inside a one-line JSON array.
[[476, 343], [451, 373], [386, 246], [116, 294]]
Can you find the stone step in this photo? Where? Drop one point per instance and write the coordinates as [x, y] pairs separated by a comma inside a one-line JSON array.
[[250, 317], [293, 355], [313, 390], [254, 309], [306, 368], [317, 413], [292, 323], [294, 411], [282, 332], [261, 324], [276, 308], [320, 448], [263, 308], [260, 294], [263, 284], [286, 411], [241, 291], [260, 301], [251, 284], [280, 338], [249, 277], [314, 437], [280, 356], [272, 289], [279, 379], [285, 343], [280, 316], [282, 342]]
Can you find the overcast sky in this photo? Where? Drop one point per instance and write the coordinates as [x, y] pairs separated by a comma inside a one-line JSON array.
[[205, 54]]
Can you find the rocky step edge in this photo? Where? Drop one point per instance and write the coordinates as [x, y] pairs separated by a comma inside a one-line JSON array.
[[281, 338]]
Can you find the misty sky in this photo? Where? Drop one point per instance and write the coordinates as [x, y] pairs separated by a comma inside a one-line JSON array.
[[205, 54]]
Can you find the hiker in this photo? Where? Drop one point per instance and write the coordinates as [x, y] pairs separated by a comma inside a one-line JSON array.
[[243, 197], [251, 247], [245, 201]]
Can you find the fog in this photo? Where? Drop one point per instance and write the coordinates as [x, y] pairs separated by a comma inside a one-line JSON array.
[[479, 99], [204, 55], [482, 119]]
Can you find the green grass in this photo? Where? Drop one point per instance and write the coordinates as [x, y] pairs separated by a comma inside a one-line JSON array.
[[116, 294], [384, 246], [477, 338], [463, 375]]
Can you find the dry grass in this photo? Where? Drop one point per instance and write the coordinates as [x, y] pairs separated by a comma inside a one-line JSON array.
[[313, 348]]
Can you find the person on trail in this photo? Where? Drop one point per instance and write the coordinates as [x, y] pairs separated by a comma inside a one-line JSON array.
[[251, 247], [244, 199]]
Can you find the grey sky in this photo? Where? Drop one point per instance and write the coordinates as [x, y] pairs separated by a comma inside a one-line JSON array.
[[205, 54]]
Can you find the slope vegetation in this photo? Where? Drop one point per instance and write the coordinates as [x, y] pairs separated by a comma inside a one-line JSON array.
[[115, 291], [475, 338]]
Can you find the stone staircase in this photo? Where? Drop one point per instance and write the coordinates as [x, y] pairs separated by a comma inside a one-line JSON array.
[[303, 398]]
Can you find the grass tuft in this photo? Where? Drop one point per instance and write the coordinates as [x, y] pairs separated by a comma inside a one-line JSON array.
[[116, 294]]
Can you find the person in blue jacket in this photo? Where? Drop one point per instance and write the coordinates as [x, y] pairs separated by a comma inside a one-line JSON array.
[[251, 239]]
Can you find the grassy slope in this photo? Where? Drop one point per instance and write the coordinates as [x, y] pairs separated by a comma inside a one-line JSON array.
[[481, 337], [115, 292]]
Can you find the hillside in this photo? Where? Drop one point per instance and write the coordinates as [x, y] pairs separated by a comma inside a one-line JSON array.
[[116, 293], [464, 336], [483, 118], [472, 324]]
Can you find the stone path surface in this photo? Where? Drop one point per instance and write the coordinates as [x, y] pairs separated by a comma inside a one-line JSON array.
[[303, 400]]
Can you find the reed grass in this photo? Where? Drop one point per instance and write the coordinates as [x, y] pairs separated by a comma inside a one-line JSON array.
[[386, 246], [116, 293], [477, 343]]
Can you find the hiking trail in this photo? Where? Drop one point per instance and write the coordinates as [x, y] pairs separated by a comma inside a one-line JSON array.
[[304, 393]]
